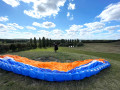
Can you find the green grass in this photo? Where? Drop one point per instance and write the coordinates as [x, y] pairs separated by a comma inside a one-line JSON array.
[[108, 79], [102, 47], [98, 54]]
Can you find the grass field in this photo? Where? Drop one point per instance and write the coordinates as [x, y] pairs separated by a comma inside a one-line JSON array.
[[108, 79]]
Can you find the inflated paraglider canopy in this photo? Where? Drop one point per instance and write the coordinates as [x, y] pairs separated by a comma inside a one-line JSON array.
[[52, 71]]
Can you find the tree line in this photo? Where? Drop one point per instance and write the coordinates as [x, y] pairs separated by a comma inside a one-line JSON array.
[[45, 42], [14, 40], [99, 41], [37, 43], [13, 45]]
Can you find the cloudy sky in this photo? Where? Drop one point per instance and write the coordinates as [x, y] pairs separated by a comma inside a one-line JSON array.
[[60, 19]]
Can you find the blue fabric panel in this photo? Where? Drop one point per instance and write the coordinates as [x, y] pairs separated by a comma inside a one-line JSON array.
[[77, 73]]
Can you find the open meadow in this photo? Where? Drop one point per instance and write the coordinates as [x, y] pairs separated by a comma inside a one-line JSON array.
[[45, 42], [108, 79]]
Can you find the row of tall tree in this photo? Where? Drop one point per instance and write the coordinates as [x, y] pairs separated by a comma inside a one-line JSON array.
[[41, 43], [45, 42]]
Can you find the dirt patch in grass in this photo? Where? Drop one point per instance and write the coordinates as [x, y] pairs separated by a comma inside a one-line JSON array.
[[47, 59]]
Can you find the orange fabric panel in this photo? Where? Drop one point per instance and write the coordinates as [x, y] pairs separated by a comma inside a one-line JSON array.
[[50, 65]]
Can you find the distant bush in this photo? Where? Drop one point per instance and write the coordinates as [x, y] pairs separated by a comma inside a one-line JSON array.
[[13, 47], [19, 46], [80, 44], [4, 48]]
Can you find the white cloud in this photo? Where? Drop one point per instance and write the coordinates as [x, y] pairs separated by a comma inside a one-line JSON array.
[[111, 12], [36, 24], [30, 27], [96, 31], [17, 35], [71, 0], [15, 25], [27, 33], [74, 30], [95, 25], [44, 33], [118, 31], [6, 28], [75, 27], [112, 27], [10, 27], [71, 18], [112, 36], [68, 14], [71, 32], [40, 8], [4, 19], [44, 8], [44, 24], [54, 34], [3, 28], [13, 3], [48, 25], [81, 32], [71, 6], [57, 33]]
